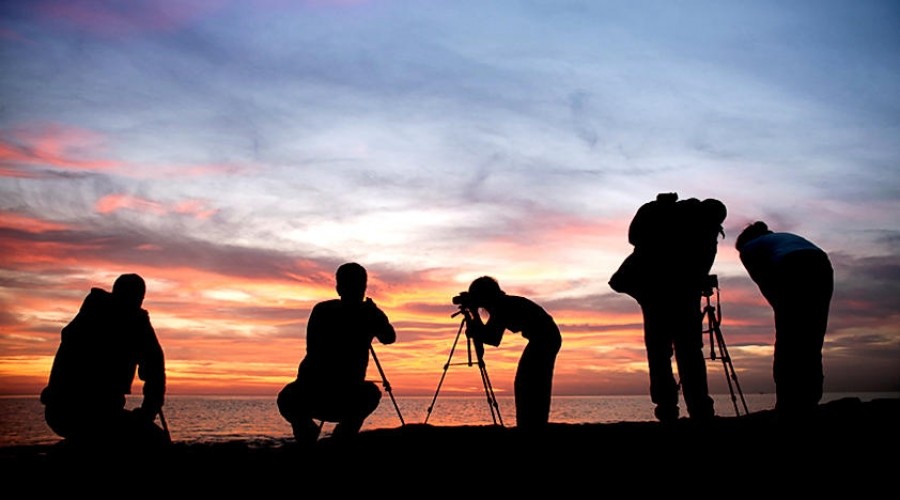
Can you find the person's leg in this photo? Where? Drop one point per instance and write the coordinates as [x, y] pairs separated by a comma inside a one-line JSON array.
[[60, 420], [787, 366], [657, 340], [294, 407], [147, 434], [687, 323], [816, 304], [533, 385], [84, 424], [361, 402], [801, 320]]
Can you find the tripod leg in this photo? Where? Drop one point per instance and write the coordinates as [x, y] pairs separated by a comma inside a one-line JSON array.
[[489, 392], [725, 366], [732, 373], [713, 319], [386, 384], [446, 366]]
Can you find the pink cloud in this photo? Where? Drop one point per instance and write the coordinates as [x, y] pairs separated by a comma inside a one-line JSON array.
[[71, 148], [16, 173], [195, 208], [116, 202], [52, 145], [20, 222], [116, 19]]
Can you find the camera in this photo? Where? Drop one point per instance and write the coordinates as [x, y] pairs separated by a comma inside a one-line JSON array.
[[462, 300]]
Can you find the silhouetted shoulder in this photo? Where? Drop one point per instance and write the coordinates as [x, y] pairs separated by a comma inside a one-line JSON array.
[[97, 297], [523, 305], [327, 305]]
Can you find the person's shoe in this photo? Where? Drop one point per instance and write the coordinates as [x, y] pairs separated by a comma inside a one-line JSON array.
[[702, 414], [666, 414], [305, 433], [346, 429]]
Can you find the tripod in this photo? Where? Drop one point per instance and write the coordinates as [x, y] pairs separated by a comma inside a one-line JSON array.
[[386, 384], [713, 316], [479, 351]]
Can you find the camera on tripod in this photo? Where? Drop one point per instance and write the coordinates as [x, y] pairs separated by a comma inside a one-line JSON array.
[[712, 281], [464, 301], [468, 308]]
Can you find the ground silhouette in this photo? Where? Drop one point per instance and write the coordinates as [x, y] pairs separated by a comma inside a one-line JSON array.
[[850, 447]]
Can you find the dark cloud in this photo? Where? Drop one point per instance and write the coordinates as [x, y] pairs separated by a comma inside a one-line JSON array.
[[128, 246], [867, 290]]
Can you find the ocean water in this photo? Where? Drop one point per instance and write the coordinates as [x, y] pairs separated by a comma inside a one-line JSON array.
[[255, 419]]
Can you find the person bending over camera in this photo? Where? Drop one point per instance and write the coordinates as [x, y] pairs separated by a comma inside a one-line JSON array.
[[533, 383], [796, 278]]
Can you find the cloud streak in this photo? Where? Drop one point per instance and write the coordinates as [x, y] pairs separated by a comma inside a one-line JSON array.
[[235, 156]]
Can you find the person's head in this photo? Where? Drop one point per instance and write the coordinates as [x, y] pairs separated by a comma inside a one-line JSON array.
[[713, 211], [484, 291], [751, 232], [351, 282], [129, 289]]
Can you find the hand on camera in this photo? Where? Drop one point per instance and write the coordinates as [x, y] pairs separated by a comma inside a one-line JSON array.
[[372, 311]]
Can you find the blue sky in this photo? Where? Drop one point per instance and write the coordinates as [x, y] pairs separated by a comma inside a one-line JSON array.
[[241, 144]]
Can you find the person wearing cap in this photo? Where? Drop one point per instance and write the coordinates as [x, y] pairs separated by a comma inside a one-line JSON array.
[[797, 279], [533, 384], [675, 244], [100, 350], [331, 380]]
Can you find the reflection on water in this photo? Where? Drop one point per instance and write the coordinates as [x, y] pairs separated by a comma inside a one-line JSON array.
[[224, 418]]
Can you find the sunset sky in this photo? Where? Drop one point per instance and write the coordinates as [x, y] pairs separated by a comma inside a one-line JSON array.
[[235, 153]]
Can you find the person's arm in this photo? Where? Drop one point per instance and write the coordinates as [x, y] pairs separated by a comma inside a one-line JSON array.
[[490, 333], [151, 369], [380, 324]]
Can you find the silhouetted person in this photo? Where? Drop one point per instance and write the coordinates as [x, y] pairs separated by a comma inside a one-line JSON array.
[[675, 244], [534, 376], [796, 278], [109, 339], [331, 380]]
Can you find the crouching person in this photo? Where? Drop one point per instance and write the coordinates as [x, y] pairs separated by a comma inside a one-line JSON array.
[[331, 380]]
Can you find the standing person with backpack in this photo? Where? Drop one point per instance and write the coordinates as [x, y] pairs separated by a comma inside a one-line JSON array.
[[675, 243]]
